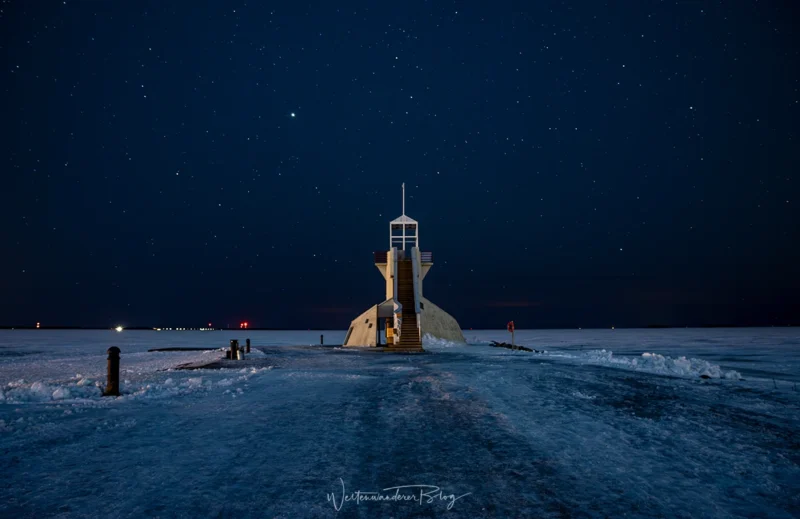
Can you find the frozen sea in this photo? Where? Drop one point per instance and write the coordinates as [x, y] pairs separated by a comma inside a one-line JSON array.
[[671, 423]]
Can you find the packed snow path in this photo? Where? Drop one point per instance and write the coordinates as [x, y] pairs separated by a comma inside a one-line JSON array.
[[524, 435]]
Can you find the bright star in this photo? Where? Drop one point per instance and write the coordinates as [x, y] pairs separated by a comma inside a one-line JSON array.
[[292, 114]]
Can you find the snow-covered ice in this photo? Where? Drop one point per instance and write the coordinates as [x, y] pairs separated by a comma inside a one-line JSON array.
[[622, 423]]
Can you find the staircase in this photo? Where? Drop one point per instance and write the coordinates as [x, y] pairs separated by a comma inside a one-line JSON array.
[[409, 333]]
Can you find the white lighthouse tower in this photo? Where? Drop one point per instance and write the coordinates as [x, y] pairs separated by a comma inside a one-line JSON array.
[[405, 316]]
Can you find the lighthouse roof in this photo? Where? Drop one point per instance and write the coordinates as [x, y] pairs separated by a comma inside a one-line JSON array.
[[400, 220]]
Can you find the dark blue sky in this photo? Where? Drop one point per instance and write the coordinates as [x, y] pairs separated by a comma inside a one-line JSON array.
[[575, 163]]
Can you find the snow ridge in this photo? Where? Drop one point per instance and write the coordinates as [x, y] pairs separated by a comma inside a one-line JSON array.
[[662, 364], [83, 389], [431, 342]]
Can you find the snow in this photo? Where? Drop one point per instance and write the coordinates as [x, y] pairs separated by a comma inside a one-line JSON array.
[[605, 424], [648, 362], [665, 365], [41, 370], [758, 354], [430, 342]]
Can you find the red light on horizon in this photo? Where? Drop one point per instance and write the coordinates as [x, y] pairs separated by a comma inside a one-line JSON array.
[[243, 325]]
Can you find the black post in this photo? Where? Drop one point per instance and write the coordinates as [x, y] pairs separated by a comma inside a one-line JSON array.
[[247, 346], [234, 348], [112, 387], [320, 339]]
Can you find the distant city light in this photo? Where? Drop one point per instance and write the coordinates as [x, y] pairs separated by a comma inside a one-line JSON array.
[[243, 325], [119, 328], [38, 325]]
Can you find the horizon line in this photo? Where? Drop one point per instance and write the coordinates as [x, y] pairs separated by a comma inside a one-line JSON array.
[[205, 329]]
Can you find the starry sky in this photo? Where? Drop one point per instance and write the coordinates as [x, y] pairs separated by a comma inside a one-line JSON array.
[[572, 164]]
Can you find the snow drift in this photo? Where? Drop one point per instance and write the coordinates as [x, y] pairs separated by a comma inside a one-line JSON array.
[[661, 364]]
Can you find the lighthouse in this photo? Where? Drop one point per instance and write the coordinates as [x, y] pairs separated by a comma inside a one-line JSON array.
[[404, 317]]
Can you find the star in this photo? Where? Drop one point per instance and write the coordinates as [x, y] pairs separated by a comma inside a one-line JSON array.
[[292, 114]]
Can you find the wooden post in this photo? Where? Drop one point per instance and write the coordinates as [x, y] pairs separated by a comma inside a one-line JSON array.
[[112, 387], [234, 349], [321, 337], [247, 346]]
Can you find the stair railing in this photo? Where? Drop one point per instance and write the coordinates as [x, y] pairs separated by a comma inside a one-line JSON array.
[[417, 292], [397, 307]]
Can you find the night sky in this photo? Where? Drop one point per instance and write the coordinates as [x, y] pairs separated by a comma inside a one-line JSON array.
[[571, 164]]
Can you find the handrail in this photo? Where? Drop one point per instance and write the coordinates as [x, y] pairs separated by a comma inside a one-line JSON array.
[[397, 306], [415, 277], [415, 268]]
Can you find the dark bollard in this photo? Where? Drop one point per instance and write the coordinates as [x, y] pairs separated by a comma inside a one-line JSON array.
[[228, 354], [112, 388], [234, 348], [321, 337], [247, 346]]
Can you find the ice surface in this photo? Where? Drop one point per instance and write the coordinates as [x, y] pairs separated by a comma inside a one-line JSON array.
[[577, 432], [756, 353], [46, 366]]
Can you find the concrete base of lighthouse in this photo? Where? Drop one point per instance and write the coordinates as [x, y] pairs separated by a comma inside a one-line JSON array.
[[365, 330], [439, 324]]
